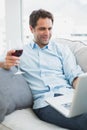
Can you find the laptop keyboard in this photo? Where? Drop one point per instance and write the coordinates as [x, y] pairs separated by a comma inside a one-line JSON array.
[[67, 105]]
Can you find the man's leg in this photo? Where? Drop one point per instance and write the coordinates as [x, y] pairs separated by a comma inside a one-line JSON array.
[[52, 116]]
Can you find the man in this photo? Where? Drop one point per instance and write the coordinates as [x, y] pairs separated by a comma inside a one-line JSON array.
[[50, 69]]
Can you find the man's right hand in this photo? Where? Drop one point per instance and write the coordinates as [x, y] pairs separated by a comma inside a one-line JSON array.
[[10, 60]]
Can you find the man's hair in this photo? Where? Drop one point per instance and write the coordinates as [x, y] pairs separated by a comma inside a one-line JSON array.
[[36, 14]]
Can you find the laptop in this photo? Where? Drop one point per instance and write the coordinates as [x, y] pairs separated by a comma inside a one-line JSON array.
[[73, 104]]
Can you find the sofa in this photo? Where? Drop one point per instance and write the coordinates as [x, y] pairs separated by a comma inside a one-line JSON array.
[[16, 98]]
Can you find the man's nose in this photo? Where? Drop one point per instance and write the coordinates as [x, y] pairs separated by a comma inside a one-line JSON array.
[[46, 31]]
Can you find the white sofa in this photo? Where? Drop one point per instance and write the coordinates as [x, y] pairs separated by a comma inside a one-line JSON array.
[[25, 119]]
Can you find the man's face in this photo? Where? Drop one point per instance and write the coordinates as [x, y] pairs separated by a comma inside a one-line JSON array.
[[42, 31]]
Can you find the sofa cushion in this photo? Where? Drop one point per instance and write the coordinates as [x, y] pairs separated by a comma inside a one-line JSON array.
[[26, 120], [14, 92]]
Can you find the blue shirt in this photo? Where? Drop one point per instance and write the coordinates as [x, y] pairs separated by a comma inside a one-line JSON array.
[[48, 70]]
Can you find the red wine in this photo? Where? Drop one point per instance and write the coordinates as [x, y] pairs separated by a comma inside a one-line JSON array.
[[17, 53]]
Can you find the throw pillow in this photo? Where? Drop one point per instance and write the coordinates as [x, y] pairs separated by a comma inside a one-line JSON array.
[[14, 92], [3, 107]]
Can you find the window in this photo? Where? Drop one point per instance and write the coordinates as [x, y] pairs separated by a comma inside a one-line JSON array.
[[2, 26], [70, 17], [10, 23]]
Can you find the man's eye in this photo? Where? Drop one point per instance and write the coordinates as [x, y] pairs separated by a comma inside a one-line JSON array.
[[42, 29], [50, 28]]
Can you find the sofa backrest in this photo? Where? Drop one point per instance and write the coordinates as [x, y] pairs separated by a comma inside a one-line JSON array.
[[79, 49]]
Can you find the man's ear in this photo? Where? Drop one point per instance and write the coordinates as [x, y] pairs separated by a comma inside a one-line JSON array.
[[31, 28]]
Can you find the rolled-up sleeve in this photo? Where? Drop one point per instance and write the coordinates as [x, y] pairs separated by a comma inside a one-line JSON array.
[[70, 67]]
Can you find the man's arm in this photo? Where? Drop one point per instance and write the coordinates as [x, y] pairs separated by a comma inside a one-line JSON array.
[[9, 60]]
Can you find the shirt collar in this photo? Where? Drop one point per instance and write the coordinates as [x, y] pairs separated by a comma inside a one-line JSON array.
[[34, 45]]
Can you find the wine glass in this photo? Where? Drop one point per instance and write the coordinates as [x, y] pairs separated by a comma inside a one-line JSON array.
[[18, 47]]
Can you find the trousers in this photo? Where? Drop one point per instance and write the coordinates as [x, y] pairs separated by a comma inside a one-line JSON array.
[[50, 115]]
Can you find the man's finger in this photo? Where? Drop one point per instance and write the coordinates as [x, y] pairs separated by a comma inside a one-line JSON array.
[[9, 53]]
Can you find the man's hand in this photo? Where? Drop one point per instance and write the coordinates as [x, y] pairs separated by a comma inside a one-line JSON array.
[[75, 81], [10, 60]]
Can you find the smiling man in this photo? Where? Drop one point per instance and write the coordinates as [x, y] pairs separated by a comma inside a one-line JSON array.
[[42, 29], [50, 70]]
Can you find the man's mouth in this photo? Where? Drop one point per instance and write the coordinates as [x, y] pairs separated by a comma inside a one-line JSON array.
[[45, 38]]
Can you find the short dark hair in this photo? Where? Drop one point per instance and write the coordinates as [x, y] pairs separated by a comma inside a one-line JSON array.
[[36, 14]]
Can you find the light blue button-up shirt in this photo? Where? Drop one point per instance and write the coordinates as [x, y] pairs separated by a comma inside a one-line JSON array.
[[48, 70]]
